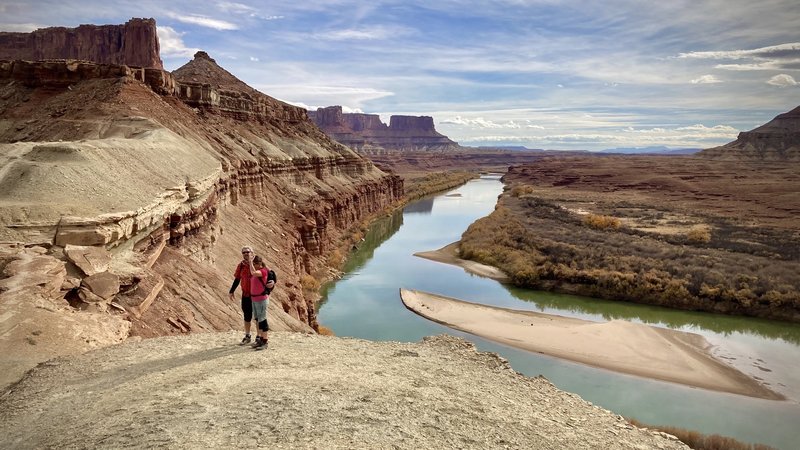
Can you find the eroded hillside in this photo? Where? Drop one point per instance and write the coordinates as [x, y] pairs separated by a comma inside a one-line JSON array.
[[166, 178]]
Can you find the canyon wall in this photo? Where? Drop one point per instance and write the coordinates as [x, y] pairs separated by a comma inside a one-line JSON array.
[[368, 134], [168, 175], [134, 43]]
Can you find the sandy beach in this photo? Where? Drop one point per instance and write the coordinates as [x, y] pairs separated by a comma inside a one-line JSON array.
[[621, 346]]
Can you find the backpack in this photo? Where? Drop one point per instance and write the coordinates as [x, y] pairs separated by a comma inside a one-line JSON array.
[[271, 275]]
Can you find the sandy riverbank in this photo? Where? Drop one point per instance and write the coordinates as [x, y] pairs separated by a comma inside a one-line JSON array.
[[449, 255], [621, 346]]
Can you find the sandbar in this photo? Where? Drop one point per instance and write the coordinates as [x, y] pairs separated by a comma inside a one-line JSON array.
[[449, 255], [618, 345]]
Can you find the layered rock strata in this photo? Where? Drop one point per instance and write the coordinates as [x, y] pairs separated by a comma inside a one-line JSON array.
[[777, 140], [134, 43], [368, 134], [171, 173]]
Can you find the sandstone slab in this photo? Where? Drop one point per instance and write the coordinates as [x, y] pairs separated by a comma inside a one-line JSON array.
[[104, 285], [91, 260]]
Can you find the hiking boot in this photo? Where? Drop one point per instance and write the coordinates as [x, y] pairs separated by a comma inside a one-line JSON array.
[[245, 339], [260, 343]]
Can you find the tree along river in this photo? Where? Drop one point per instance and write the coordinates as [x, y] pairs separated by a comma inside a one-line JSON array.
[[366, 304]]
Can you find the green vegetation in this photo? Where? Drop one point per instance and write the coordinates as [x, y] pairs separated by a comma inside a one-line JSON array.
[[542, 245], [699, 441]]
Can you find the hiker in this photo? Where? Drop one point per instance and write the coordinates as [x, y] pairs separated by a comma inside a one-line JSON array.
[[262, 281], [242, 274]]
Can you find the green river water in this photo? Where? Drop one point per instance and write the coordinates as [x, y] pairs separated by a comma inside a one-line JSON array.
[[366, 304]]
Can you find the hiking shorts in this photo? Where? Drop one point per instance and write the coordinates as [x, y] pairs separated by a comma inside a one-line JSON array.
[[260, 309]]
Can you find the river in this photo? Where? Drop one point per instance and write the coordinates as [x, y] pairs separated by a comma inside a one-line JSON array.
[[366, 304]]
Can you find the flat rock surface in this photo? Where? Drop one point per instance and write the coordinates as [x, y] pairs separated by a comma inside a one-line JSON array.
[[305, 391]]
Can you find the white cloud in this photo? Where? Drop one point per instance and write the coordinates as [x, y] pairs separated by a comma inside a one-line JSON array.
[[782, 80], [20, 27], [706, 79], [241, 9], [776, 51], [769, 65], [323, 95], [704, 129], [237, 8], [204, 21], [764, 58], [254, 59], [171, 43], [480, 122], [360, 34]]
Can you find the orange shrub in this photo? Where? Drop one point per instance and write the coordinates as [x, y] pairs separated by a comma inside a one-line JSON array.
[[699, 234], [602, 222], [309, 283]]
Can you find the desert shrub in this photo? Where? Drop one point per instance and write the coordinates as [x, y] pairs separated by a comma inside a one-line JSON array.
[[325, 331], [699, 234], [336, 258], [519, 191], [601, 222], [309, 282]]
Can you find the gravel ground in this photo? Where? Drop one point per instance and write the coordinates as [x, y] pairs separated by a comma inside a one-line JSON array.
[[304, 391]]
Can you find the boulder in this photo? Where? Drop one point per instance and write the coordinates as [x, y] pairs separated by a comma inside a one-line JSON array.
[[104, 285], [91, 260]]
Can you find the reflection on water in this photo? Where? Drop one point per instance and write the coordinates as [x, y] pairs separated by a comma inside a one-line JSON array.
[[424, 206], [607, 310], [378, 233]]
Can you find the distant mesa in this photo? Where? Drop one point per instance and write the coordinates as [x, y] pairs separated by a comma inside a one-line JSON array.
[[653, 150], [368, 134], [134, 43], [777, 140]]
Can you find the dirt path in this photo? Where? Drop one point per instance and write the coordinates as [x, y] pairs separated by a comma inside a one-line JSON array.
[[305, 391]]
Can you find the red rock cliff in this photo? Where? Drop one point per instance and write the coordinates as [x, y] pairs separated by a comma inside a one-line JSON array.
[[367, 133], [223, 165], [134, 43]]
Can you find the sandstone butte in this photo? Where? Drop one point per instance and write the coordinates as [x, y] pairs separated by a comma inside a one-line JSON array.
[[368, 134], [126, 193]]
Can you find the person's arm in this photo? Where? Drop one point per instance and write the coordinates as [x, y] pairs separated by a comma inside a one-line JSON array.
[[234, 286], [236, 279]]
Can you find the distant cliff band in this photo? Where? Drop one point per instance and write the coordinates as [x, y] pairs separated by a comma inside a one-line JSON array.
[[367, 133]]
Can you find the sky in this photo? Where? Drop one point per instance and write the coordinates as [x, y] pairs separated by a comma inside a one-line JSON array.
[[548, 74]]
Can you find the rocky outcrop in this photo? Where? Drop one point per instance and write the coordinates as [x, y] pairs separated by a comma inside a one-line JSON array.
[[134, 43], [202, 83], [368, 134], [777, 140]]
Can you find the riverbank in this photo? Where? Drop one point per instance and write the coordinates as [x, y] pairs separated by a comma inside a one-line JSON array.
[[621, 346]]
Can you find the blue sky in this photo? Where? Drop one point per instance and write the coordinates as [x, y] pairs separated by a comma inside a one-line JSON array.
[[544, 74]]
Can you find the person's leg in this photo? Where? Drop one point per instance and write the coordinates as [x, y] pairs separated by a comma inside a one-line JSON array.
[[247, 312], [260, 310]]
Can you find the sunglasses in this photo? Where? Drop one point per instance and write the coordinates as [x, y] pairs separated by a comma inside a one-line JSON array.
[[245, 253]]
